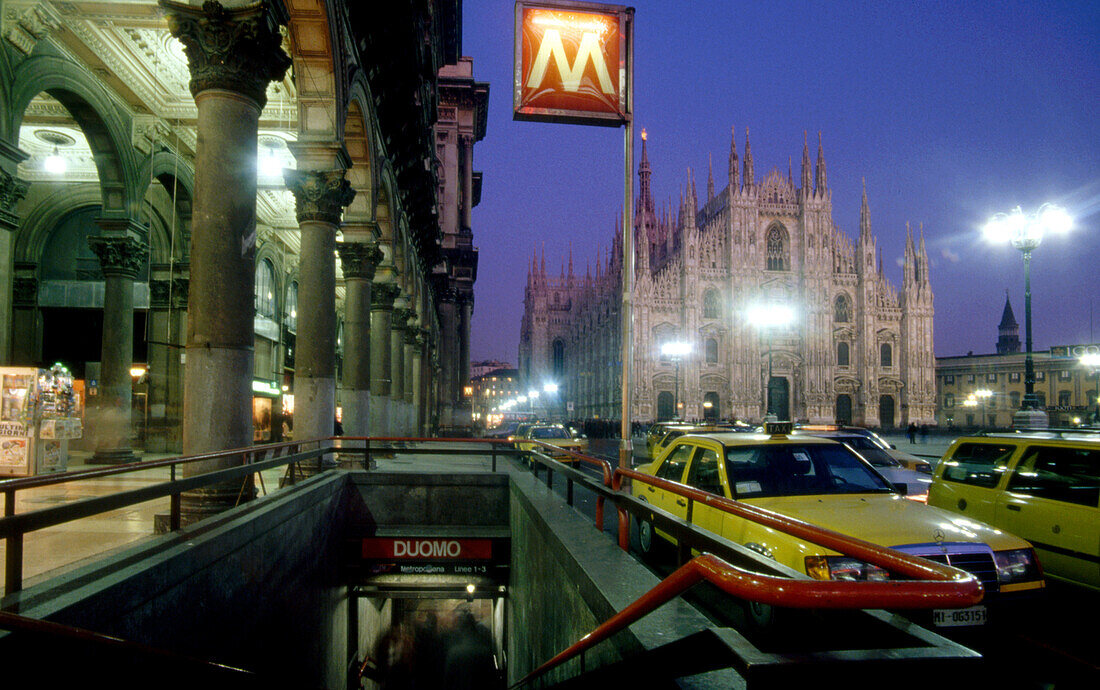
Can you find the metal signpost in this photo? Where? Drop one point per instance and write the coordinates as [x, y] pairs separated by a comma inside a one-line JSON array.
[[574, 64]]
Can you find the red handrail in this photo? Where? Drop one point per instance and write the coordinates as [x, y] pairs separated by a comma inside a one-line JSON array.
[[888, 559], [961, 590]]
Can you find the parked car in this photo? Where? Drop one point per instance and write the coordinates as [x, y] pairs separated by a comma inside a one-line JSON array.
[[1043, 486], [907, 460], [916, 483], [825, 483], [554, 434]]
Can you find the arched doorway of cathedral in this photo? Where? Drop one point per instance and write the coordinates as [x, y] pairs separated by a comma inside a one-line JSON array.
[[843, 409], [886, 411], [779, 398], [665, 406], [711, 408]]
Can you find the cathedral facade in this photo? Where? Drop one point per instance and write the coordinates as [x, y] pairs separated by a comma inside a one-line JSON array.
[[773, 308]]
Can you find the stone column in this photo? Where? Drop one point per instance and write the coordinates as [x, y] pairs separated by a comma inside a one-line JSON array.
[[398, 416], [420, 379], [447, 352], [359, 261], [320, 198], [232, 55], [467, 142], [381, 316], [167, 313], [411, 379], [462, 366], [121, 258], [12, 190]]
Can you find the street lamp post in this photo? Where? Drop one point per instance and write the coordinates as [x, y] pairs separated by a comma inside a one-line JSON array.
[[767, 318], [1025, 232], [1092, 361], [982, 395], [676, 351]]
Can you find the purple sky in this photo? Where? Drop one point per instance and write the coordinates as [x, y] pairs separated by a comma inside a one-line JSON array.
[[951, 113]]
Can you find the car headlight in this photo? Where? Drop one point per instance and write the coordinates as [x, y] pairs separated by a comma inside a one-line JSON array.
[[923, 467], [1018, 565], [843, 568]]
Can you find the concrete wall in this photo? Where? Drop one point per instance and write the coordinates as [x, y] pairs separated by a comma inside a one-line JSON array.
[[567, 578], [228, 589]]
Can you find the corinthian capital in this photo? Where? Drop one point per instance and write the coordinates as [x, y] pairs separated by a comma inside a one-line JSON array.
[[319, 195], [359, 259], [119, 256], [382, 295], [12, 190], [237, 50]]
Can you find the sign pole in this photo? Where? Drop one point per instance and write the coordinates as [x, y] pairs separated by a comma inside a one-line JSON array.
[[626, 449]]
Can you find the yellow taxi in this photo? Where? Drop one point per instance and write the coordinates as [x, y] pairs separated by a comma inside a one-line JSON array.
[[675, 432], [1043, 486], [658, 430], [554, 434], [825, 483]]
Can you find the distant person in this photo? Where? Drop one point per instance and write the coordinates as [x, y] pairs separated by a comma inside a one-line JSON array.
[[911, 431], [924, 433], [337, 427], [469, 659]]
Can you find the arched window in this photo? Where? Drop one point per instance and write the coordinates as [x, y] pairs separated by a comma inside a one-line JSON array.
[[712, 351], [778, 254], [1041, 399], [1014, 398], [949, 400], [843, 409], [842, 354], [842, 309], [711, 305], [1064, 398], [265, 289], [886, 355], [558, 357], [292, 307]]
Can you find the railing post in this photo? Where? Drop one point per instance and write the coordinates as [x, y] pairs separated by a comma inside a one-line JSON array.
[[599, 513], [366, 456], [13, 562], [683, 551], [494, 452], [569, 491], [175, 508]]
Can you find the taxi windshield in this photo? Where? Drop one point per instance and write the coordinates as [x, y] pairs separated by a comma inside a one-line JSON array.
[[799, 470], [548, 432]]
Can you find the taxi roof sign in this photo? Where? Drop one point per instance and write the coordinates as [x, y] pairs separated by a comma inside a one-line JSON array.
[[778, 428]]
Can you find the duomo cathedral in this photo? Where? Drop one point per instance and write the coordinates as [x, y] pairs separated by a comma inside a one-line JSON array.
[[718, 278]]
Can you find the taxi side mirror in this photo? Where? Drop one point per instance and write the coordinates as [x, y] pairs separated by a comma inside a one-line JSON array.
[[902, 488]]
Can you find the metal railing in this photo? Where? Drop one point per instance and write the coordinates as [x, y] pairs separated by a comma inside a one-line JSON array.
[[932, 585], [255, 459]]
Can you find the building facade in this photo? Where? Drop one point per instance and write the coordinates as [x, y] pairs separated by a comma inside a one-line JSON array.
[[985, 391], [258, 205], [856, 349]]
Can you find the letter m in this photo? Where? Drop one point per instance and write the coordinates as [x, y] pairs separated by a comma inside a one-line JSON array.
[[570, 76]]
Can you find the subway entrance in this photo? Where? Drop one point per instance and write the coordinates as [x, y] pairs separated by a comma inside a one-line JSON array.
[[427, 609]]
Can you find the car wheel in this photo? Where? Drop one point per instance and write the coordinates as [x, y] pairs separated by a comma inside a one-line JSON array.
[[646, 538], [760, 616]]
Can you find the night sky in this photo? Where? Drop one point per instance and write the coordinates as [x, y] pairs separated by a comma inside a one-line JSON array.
[[950, 111]]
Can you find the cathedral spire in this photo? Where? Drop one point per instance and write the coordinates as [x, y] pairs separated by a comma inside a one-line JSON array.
[[645, 196], [750, 177], [864, 216], [806, 179], [735, 163], [570, 259], [691, 202], [710, 177], [819, 180], [1008, 332]]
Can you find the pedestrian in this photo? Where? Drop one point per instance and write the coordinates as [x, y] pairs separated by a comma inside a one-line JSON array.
[[924, 433], [911, 431]]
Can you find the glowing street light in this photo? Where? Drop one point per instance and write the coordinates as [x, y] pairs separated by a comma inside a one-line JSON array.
[[676, 351], [983, 394], [1025, 232], [767, 318]]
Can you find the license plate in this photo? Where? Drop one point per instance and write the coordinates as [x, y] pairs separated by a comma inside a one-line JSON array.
[[975, 615]]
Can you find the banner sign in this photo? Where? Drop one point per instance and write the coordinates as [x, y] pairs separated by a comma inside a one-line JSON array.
[[571, 62], [427, 549]]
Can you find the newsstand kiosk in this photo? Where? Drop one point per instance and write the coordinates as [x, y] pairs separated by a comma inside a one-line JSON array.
[[39, 414]]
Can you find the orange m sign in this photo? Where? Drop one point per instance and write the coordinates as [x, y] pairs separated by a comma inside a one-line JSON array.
[[571, 62]]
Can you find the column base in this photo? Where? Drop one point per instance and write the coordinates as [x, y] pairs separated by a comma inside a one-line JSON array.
[[113, 456], [1030, 419]]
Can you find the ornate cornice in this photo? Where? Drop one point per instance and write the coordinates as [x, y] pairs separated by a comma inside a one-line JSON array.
[[382, 295], [359, 259], [320, 196], [401, 317], [12, 190], [159, 292], [119, 256], [235, 50]]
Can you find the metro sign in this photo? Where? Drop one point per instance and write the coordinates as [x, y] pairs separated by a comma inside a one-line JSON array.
[[571, 62]]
